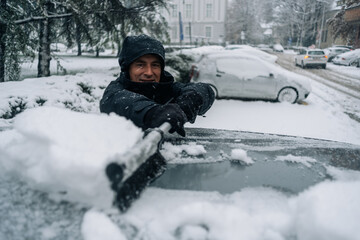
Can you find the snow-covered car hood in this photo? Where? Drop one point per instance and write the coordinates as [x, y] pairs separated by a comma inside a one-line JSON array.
[[216, 179]]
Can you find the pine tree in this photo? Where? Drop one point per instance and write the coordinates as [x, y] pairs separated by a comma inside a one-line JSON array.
[[26, 25]]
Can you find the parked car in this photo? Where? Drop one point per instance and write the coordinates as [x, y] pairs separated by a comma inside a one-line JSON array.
[[311, 57], [345, 46], [264, 47], [334, 51], [238, 75], [278, 48], [348, 58]]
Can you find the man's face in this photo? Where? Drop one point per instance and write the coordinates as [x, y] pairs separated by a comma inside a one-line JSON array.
[[146, 68]]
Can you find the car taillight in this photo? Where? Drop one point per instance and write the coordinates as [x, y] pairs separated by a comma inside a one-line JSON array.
[[192, 70], [306, 57], [326, 56]]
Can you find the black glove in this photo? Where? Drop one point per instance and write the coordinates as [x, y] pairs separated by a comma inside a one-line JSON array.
[[190, 102], [170, 113]]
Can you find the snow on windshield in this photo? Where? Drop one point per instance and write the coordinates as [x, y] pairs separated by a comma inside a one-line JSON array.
[[242, 68]]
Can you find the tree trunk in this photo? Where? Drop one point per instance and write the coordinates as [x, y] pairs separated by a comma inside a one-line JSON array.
[[3, 28], [78, 38], [44, 45]]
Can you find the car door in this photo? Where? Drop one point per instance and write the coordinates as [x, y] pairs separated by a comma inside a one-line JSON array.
[[253, 78], [229, 77], [300, 56], [260, 83]]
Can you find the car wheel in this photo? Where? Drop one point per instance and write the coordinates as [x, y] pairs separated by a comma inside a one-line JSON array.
[[354, 63], [295, 62], [324, 66], [215, 91], [287, 95], [303, 65]]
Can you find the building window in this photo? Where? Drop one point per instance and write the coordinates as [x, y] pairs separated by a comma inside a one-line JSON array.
[[208, 10], [174, 11], [208, 32], [188, 10], [340, 3]]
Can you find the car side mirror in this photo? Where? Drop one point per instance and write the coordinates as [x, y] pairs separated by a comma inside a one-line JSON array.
[[271, 75]]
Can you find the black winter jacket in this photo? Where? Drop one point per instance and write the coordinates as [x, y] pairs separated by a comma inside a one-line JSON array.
[[133, 99]]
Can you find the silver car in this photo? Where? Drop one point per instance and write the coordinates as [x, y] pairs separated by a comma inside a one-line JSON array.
[[348, 59], [332, 52], [249, 77], [311, 57]]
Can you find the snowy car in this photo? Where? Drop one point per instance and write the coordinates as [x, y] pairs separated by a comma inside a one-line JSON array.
[[239, 75], [334, 51], [278, 48], [348, 58], [219, 184], [311, 58]]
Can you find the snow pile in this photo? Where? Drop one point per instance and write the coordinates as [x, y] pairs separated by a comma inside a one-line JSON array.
[[80, 93], [241, 156], [329, 210], [65, 152], [295, 159], [184, 153], [97, 225]]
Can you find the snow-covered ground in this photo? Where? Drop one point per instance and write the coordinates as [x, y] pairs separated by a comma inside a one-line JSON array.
[[54, 149]]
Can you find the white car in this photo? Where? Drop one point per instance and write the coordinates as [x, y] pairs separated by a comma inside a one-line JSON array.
[[311, 57], [278, 48], [332, 52], [238, 75], [348, 58]]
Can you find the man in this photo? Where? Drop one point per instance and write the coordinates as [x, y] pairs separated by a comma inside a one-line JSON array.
[[147, 95]]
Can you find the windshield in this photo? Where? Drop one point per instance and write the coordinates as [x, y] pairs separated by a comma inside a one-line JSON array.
[[316, 53]]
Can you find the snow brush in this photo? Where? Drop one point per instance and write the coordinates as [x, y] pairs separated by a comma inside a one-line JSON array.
[[130, 173]]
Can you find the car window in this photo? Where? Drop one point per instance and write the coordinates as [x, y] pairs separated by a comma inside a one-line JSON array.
[[316, 53], [340, 50], [242, 68]]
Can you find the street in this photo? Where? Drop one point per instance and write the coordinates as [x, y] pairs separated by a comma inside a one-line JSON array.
[[342, 88]]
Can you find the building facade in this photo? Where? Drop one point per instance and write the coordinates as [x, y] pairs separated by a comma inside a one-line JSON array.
[[202, 21], [352, 17]]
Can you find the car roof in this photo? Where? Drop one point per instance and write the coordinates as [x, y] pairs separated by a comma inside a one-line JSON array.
[[244, 53], [343, 48], [350, 53], [314, 49]]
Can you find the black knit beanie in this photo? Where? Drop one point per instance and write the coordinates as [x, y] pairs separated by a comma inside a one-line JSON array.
[[136, 46]]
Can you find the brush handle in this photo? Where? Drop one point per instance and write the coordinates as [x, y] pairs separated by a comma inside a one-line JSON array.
[[122, 166]]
